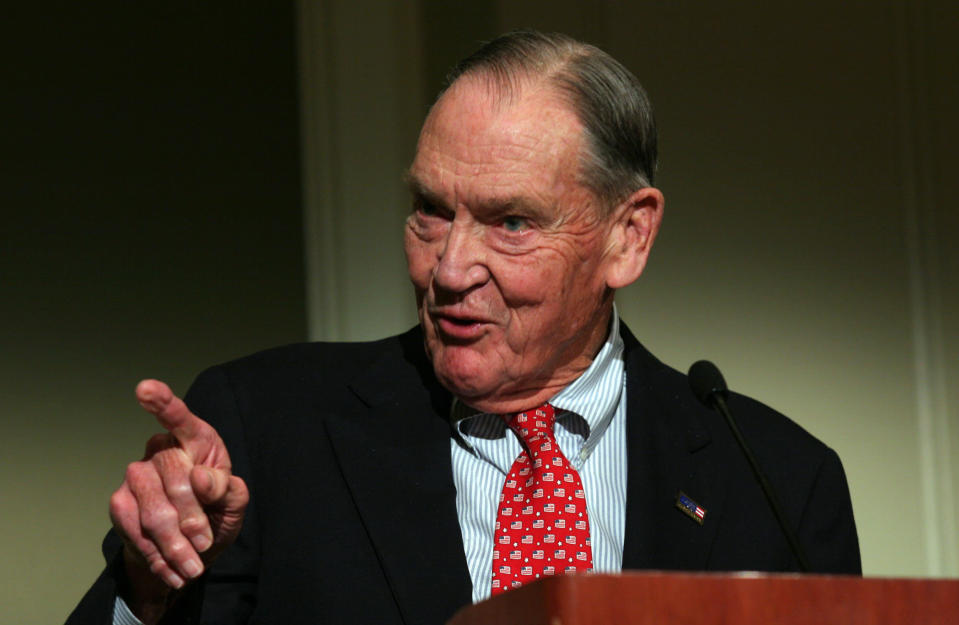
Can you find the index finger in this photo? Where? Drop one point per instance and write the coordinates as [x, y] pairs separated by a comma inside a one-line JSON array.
[[157, 399]]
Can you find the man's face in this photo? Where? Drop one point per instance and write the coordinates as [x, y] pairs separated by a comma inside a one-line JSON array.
[[506, 249]]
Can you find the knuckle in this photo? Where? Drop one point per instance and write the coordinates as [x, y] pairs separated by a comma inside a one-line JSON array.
[[132, 472], [171, 461], [118, 502], [180, 490], [193, 524], [178, 550], [159, 517], [120, 509], [137, 473]]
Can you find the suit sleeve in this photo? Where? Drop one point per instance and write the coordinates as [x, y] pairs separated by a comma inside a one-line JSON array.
[[827, 529], [229, 587]]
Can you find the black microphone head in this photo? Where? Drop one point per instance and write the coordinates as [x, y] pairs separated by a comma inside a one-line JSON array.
[[706, 381]]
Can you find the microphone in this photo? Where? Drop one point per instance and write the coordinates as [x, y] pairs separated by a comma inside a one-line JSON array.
[[709, 387]]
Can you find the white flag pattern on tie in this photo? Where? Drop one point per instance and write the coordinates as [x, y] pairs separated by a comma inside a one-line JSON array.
[[541, 527]]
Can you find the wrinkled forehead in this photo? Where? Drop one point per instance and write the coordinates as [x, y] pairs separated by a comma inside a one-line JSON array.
[[476, 120], [481, 95]]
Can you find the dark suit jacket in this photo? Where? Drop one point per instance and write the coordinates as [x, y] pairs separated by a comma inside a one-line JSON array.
[[345, 448]]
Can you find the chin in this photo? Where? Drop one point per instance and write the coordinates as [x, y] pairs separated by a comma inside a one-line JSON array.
[[466, 375]]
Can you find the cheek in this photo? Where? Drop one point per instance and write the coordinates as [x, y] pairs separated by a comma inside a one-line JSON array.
[[418, 263], [534, 281], [551, 299]]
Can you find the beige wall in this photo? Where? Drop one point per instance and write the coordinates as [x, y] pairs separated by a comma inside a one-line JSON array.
[[807, 158], [151, 226]]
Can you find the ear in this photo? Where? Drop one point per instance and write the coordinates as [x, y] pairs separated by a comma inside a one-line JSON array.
[[635, 224]]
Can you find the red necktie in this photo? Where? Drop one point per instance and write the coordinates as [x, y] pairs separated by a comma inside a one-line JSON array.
[[541, 527]]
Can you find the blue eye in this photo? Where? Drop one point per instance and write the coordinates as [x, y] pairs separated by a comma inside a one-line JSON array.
[[514, 224]]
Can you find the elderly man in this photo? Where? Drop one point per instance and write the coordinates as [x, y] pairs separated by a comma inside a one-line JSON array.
[[519, 431]]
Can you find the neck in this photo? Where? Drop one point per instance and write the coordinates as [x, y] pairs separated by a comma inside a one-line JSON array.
[[550, 383]]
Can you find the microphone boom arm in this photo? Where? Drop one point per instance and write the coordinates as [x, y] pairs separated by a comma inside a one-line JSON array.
[[719, 402], [709, 387]]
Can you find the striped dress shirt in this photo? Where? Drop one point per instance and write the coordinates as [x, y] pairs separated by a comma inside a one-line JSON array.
[[591, 431]]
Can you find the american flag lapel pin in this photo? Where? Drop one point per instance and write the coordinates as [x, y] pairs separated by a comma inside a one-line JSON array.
[[690, 508]]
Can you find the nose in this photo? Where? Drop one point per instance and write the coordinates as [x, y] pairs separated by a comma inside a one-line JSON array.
[[462, 262]]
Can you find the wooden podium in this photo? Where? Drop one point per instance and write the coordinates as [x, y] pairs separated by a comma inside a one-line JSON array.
[[713, 599]]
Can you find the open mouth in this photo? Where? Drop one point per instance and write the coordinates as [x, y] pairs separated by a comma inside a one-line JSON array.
[[461, 322], [460, 328]]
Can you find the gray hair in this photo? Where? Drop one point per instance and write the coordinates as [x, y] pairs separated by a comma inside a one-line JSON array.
[[616, 114]]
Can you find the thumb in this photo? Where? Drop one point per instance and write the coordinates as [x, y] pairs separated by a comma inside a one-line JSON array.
[[236, 496], [226, 514], [209, 484]]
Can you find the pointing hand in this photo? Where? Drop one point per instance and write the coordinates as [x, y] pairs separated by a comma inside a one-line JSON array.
[[180, 506]]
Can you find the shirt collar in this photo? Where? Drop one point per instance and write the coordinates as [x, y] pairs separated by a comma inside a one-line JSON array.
[[587, 404]]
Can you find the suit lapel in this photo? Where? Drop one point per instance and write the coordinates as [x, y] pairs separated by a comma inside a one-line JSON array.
[[395, 457], [668, 451]]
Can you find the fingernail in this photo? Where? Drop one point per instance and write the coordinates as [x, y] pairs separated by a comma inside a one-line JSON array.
[[193, 568], [172, 579], [202, 542]]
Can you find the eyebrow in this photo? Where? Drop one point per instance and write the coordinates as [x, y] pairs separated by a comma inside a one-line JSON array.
[[418, 189], [422, 194], [494, 206]]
